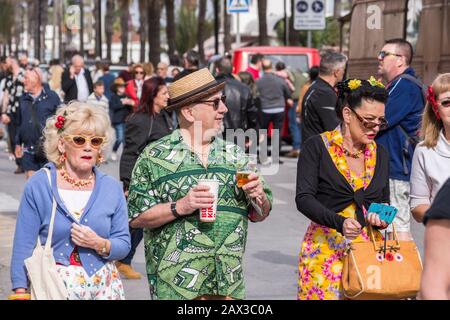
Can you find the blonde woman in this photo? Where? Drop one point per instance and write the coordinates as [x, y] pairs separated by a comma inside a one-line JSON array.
[[431, 160], [91, 223]]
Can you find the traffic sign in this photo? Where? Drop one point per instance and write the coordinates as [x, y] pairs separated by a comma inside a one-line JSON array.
[[238, 6], [309, 15]]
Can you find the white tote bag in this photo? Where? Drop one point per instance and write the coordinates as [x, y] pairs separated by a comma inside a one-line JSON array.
[[46, 283]]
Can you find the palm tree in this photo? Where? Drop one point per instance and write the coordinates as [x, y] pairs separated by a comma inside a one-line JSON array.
[[109, 22], [170, 27], [262, 16], [124, 6], [6, 22], [201, 30], [143, 27], [294, 35], [154, 40]]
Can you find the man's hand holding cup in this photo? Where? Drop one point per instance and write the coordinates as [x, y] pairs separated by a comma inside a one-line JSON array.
[[198, 197]]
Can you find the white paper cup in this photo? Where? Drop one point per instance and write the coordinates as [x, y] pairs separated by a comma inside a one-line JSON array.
[[209, 214]]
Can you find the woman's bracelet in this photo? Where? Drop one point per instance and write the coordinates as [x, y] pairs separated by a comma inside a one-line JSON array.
[[19, 296]]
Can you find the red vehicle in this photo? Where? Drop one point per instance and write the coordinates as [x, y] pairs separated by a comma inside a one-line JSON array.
[[296, 59]]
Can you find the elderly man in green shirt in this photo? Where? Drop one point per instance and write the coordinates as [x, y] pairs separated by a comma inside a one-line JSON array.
[[187, 258]]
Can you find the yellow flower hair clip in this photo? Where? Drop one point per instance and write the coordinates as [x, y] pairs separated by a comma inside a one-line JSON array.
[[375, 83], [354, 84]]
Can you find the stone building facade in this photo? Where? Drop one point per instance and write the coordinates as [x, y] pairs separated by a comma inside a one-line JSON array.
[[372, 22]]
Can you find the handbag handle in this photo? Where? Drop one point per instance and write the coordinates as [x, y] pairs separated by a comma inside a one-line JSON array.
[[48, 243], [372, 237]]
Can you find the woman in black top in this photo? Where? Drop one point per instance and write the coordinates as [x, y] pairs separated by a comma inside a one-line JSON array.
[[340, 173], [120, 106], [148, 124]]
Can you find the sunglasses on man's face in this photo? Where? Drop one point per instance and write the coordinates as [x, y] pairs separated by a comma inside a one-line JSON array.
[[383, 124], [216, 102], [384, 54], [80, 140]]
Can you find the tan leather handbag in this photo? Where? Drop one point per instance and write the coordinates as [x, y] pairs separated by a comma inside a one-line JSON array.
[[46, 283], [381, 270]]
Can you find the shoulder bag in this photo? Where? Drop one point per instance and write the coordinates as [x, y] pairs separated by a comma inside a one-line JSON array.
[[46, 283]]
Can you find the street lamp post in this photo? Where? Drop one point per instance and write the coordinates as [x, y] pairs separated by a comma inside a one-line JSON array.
[[216, 26], [81, 27], [37, 50]]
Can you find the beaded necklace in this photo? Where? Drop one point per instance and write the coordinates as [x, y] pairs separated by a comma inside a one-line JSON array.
[[351, 154], [76, 183]]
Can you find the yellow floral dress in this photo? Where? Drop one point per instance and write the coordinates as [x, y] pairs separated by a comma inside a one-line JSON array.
[[323, 248]]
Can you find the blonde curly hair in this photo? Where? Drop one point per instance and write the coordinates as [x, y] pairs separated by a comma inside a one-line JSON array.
[[80, 118]]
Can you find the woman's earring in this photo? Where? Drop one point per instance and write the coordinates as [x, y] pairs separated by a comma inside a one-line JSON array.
[[100, 159], [62, 158]]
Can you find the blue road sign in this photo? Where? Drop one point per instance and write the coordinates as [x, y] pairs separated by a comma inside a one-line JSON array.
[[302, 6], [235, 6], [317, 6]]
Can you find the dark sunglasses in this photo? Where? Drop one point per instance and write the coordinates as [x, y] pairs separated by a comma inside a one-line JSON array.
[[80, 140], [139, 72], [383, 124], [384, 54], [445, 103], [216, 101]]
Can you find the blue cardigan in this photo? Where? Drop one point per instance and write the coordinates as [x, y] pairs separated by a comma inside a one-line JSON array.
[[105, 213], [404, 107]]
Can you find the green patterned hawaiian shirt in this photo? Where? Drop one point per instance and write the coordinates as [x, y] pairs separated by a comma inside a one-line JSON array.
[[188, 258]]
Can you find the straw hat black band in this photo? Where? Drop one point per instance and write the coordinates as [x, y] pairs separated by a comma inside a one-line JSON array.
[[193, 87]]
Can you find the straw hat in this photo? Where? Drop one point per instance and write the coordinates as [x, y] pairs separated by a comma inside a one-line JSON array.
[[193, 87]]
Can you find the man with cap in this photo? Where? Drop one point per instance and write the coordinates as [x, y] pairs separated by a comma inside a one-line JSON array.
[[186, 258]]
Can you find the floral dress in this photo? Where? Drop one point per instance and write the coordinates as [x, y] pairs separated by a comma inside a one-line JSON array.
[[105, 284], [322, 251]]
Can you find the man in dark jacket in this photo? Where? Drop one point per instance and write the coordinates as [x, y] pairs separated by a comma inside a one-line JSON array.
[[403, 113], [76, 81], [36, 106], [242, 112], [318, 105]]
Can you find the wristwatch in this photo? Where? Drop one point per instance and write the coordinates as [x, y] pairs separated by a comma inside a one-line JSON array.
[[174, 210]]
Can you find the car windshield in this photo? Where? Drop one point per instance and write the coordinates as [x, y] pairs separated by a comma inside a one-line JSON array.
[[293, 62]]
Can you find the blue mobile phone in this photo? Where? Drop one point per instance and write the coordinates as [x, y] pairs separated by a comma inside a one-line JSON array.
[[387, 213]]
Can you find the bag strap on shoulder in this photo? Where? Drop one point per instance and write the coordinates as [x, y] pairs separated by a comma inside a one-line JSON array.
[[48, 243]]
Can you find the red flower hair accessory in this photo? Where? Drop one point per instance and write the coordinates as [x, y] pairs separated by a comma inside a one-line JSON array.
[[432, 100], [60, 120]]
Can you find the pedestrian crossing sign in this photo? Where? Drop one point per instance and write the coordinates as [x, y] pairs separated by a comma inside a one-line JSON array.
[[235, 6]]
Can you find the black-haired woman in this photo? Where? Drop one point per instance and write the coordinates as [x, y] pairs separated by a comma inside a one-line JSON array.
[[340, 173]]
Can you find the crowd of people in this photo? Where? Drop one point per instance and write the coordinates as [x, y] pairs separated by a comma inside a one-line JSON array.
[[358, 142]]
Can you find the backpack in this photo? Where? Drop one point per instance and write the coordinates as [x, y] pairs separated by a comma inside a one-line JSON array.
[[411, 140]]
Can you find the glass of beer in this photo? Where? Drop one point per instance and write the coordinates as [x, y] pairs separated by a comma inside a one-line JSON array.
[[246, 165]]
